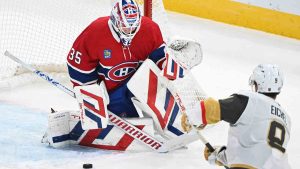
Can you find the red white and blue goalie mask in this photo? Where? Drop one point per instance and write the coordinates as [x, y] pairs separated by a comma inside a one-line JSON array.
[[126, 20]]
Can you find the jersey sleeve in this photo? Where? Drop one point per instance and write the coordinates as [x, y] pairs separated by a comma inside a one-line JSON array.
[[81, 65], [233, 107], [158, 55], [213, 111]]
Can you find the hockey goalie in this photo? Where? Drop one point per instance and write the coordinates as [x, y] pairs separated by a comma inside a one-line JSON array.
[[126, 84], [156, 96]]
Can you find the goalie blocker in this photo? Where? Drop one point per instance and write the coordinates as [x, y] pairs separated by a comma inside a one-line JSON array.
[[93, 101]]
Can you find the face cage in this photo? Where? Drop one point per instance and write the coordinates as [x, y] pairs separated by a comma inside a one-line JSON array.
[[127, 33], [125, 30]]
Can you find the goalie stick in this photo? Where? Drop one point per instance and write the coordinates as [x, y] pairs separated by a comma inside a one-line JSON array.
[[120, 123]]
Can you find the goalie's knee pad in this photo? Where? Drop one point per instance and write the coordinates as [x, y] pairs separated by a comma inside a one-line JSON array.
[[59, 125]]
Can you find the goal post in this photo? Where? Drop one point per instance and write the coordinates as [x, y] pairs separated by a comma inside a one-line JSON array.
[[148, 8]]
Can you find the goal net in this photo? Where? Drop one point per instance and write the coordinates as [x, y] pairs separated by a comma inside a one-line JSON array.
[[41, 32]]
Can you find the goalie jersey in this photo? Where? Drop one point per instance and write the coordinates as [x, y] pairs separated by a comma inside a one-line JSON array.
[[98, 54], [259, 131]]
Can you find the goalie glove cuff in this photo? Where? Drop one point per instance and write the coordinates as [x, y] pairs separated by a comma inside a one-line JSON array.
[[172, 70]]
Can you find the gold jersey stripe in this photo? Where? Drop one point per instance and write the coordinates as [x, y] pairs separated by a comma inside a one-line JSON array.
[[242, 166]]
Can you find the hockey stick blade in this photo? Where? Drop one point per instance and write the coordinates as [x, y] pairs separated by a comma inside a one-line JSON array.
[[181, 141]]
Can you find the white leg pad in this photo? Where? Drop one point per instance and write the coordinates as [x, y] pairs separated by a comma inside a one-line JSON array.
[[155, 98], [62, 126]]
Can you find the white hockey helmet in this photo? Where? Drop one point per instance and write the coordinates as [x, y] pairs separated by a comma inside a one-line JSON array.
[[268, 77], [126, 20]]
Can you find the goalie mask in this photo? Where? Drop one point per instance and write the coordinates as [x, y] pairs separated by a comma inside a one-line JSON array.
[[126, 20], [268, 78]]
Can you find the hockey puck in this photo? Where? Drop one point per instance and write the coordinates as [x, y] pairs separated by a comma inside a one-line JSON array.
[[86, 166]]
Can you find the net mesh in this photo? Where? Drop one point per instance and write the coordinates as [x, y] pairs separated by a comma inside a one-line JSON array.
[[158, 14], [41, 32], [187, 92]]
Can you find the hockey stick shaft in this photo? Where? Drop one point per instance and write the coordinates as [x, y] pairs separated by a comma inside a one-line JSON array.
[[120, 123], [41, 74], [205, 142]]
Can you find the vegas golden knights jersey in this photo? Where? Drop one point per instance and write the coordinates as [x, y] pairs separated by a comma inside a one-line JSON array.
[[259, 131]]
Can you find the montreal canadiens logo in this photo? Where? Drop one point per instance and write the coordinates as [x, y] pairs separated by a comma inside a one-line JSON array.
[[122, 71]]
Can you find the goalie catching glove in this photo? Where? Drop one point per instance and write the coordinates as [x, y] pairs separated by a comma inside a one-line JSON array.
[[182, 55], [186, 52], [93, 100]]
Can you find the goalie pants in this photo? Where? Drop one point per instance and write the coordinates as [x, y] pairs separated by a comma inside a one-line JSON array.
[[121, 103]]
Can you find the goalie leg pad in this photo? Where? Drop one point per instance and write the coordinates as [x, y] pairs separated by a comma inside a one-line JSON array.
[[156, 99], [64, 129], [112, 138]]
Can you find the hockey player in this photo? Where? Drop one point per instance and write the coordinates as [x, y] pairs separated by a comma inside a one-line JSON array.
[[102, 60], [259, 126], [100, 63], [110, 50]]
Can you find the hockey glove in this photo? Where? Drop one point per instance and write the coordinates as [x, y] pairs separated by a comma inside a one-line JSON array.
[[186, 52], [218, 157], [193, 117], [185, 124]]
